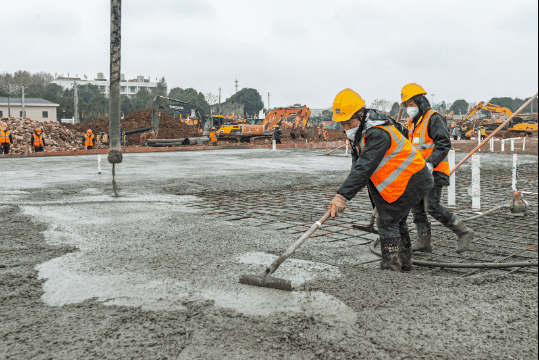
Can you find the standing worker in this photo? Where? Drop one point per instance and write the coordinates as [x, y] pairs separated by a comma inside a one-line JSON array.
[[104, 138], [6, 139], [430, 136], [324, 134], [124, 139], [385, 161], [483, 133], [37, 140], [88, 140], [213, 137], [276, 135]]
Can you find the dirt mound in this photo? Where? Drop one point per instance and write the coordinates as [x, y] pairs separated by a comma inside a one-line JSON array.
[[56, 136], [169, 127]]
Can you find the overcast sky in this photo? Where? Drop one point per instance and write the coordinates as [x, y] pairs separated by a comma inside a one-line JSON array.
[[299, 51]]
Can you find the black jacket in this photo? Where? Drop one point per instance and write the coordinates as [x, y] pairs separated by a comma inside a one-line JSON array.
[[365, 162], [276, 134], [439, 132]]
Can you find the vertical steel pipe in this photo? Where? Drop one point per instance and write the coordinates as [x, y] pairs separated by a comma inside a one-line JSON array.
[[115, 154]]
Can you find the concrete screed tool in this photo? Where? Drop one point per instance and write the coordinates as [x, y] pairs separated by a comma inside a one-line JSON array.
[[265, 279]]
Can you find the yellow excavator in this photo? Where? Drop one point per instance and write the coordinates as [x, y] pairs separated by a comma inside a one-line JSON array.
[[517, 125]]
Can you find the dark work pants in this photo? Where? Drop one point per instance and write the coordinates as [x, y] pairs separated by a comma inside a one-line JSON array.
[[431, 204], [5, 148], [38, 149], [277, 141], [388, 230]]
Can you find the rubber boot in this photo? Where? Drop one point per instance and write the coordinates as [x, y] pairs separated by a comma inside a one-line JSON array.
[[464, 233], [406, 252], [391, 254], [424, 235]]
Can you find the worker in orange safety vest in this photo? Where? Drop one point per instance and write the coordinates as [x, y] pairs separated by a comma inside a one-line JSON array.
[[213, 137], [88, 140], [37, 141], [429, 134], [385, 161], [6, 139]]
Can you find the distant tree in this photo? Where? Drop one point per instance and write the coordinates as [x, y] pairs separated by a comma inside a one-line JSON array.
[[88, 91], [503, 101], [394, 109], [211, 99], [160, 89], [459, 107], [250, 98], [327, 113], [380, 104], [126, 105], [191, 96], [142, 100]]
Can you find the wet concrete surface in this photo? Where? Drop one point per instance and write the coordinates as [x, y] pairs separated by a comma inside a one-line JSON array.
[[152, 275]]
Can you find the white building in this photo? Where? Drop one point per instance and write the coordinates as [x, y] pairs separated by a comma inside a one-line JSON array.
[[36, 109], [127, 87]]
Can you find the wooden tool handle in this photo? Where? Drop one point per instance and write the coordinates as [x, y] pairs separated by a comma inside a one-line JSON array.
[[271, 269]]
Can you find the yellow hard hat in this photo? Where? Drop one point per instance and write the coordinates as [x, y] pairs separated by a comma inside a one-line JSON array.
[[346, 103], [411, 90]]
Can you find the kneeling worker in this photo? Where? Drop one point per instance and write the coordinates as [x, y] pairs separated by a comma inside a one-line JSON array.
[[37, 140], [385, 161], [88, 140], [213, 137], [430, 136], [276, 135], [6, 139]]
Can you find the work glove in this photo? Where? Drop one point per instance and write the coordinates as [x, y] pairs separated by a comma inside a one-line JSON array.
[[430, 167], [337, 205]]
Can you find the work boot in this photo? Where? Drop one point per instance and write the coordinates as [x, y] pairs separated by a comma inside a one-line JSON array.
[[390, 254], [424, 234], [464, 233], [406, 252]]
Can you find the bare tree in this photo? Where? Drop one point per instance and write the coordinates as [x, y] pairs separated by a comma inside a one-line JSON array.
[[380, 104], [211, 99]]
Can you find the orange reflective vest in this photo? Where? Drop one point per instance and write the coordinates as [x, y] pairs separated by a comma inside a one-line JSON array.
[[400, 162], [38, 140], [89, 140], [105, 138], [422, 142], [4, 137], [213, 137]]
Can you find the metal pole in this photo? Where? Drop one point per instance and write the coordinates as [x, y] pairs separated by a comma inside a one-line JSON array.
[[451, 193], [8, 102], [76, 100], [476, 182], [115, 152], [22, 104], [268, 102], [514, 172]]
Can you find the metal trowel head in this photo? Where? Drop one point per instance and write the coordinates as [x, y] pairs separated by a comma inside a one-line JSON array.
[[266, 281]]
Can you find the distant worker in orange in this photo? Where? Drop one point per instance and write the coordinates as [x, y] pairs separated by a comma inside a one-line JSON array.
[[88, 140], [213, 137], [324, 134], [37, 140], [429, 134], [483, 133], [6, 139]]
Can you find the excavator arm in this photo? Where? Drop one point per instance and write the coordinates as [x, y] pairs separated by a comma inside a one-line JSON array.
[[472, 111], [173, 106]]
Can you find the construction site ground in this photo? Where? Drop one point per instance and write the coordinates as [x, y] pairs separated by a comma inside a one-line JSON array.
[[153, 273]]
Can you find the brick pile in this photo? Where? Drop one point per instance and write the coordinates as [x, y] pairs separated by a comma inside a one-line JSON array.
[[57, 137]]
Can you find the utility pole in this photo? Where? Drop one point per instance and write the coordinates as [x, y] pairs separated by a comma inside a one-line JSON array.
[[236, 85], [219, 98], [115, 151], [268, 102], [22, 104], [76, 102], [8, 101]]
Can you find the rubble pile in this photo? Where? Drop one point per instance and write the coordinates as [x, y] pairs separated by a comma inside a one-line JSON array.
[[169, 127], [57, 137]]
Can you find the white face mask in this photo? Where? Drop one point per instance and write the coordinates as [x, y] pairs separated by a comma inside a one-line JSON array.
[[351, 134], [412, 111]]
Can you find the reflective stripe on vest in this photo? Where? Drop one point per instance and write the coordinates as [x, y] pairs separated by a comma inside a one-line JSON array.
[[89, 140], [38, 140], [4, 137], [400, 162], [424, 144], [213, 137]]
